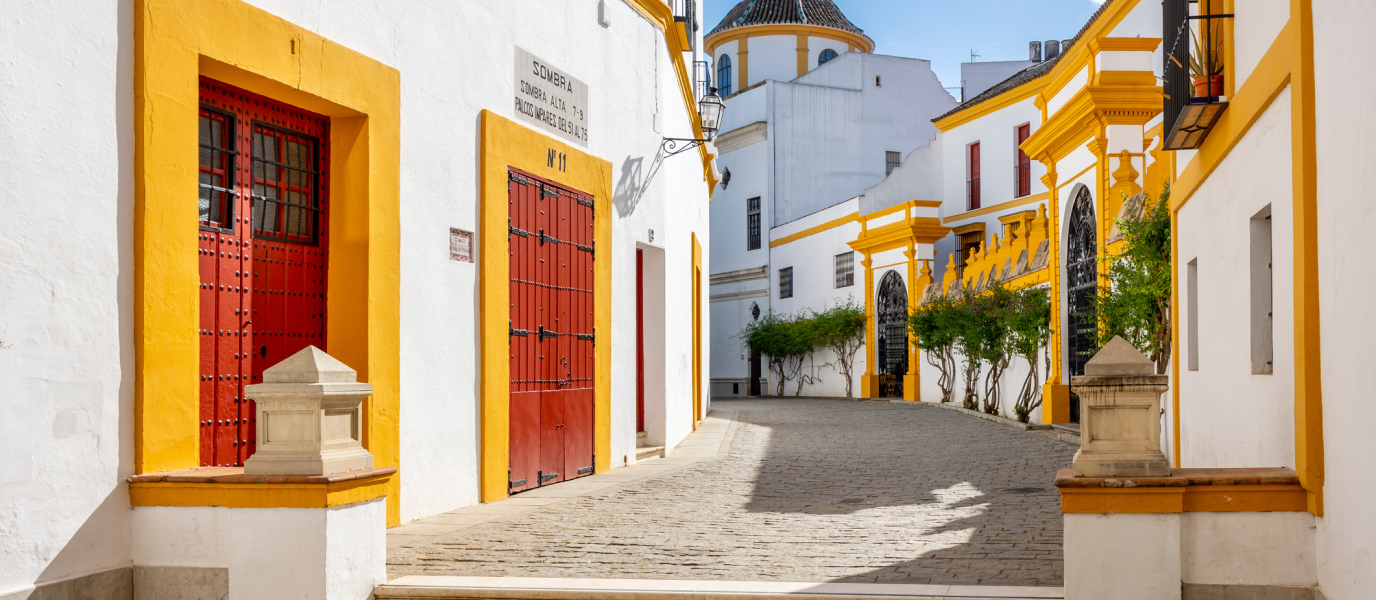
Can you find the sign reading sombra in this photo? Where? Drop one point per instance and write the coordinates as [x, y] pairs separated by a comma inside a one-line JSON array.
[[550, 98]]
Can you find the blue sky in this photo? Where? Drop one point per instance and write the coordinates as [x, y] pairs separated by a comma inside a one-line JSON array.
[[945, 31]]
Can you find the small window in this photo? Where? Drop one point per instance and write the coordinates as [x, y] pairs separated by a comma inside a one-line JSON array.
[[217, 169], [891, 162], [826, 56], [752, 223], [877, 81], [1022, 165], [974, 176], [786, 282], [724, 75], [1192, 307], [845, 269], [1263, 336]]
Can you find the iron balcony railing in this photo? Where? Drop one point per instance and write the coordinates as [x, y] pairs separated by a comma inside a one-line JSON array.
[[974, 193], [685, 13], [1192, 73], [1022, 180], [702, 78]]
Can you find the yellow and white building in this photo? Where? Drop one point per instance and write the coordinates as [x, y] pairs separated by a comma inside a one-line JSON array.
[[419, 113]]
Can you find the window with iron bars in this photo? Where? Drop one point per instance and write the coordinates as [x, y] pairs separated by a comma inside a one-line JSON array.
[[1022, 166], [752, 223], [974, 176], [845, 269], [786, 282], [891, 162]]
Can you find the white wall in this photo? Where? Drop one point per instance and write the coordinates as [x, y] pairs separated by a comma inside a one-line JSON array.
[[773, 57], [815, 46], [337, 553], [975, 77], [1344, 70], [66, 276], [1213, 229]]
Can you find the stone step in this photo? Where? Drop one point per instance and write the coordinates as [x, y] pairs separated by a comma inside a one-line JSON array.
[[649, 452], [533, 588], [1067, 432]]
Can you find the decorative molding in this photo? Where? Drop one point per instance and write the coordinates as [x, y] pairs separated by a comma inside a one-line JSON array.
[[742, 137], [741, 275]]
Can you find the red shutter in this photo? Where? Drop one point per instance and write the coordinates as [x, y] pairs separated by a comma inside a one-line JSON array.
[[974, 176]]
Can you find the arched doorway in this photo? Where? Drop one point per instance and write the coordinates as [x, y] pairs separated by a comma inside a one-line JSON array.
[[891, 325], [1082, 281]]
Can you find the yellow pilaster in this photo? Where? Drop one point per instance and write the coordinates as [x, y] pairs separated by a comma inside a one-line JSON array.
[[869, 383], [1309, 458], [802, 54], [911, 392], [743, 55]]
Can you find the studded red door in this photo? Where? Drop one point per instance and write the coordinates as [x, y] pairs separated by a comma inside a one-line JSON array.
[[262, 253], [550, 242]]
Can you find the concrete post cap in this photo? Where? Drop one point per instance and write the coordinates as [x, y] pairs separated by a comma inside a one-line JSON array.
[[1118, 357], [310, 365]]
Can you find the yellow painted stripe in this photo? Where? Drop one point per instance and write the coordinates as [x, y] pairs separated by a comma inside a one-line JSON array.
[[258, 495], [997, 207], [813, 230]]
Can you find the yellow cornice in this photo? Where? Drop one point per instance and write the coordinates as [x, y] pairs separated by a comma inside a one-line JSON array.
[[1079, 54], [1124, 44], [813, 230], [1018, 94], [1025, 200], [1086, 113], [900, 207], [711, 44], [917, 230]]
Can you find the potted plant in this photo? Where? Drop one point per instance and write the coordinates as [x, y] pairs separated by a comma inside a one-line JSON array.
[[1206, 64]]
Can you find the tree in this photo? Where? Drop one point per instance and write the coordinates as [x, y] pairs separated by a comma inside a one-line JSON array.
[[1135, 301], [785, 340], [841, 328], [1028, 320], [934, 325], [987, 324], [967, 331]]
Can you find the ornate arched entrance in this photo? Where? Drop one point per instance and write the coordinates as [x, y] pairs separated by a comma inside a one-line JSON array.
[[1082, 281], [891, 327]]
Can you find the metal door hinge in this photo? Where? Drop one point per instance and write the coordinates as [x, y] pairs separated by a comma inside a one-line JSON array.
[[518, 178], [511, 331], [585, 470], [546, 476], [516, 230], [587, 203], [546, 193]]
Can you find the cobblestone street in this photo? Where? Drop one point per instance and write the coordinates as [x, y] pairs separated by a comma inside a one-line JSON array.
[[810, 490]]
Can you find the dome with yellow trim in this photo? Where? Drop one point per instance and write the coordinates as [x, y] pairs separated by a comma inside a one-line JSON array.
[[817, 13]]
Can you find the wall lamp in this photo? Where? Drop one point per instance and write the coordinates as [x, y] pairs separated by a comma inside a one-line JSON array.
[[710, 110]]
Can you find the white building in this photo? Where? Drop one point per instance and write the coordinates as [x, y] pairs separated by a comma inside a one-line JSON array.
[[410, 134], [813, 118]]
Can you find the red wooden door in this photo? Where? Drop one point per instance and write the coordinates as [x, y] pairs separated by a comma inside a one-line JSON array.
[[262, 253], [639, 340], [550, 241]]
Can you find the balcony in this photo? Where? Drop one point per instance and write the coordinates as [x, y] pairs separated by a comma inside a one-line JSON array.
[[685, 14], [1193, 77]]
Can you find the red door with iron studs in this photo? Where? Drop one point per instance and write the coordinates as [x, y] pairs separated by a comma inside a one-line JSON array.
[[262, 249], [551, 338]]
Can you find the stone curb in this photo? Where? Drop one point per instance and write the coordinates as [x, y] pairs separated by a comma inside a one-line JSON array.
[[525, 588]]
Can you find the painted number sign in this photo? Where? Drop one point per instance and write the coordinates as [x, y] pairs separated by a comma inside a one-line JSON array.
[[551, 99]]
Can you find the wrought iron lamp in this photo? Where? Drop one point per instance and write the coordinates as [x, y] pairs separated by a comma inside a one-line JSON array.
[[710, 110]]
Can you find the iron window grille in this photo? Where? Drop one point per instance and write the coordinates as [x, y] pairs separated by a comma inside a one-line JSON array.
[[845, 269], [1192, 73], [724, 79], [217, 158], [891, 161], [786, 282], [752, 223], [286, 198], [1022, 169]]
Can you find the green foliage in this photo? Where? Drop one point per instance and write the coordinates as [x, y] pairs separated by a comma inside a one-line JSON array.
[[790, 340], [1135, 302], [1028, 320], [934, 328], [990, 336]]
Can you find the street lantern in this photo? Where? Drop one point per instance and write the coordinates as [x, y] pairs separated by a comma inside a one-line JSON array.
[[710, 110]]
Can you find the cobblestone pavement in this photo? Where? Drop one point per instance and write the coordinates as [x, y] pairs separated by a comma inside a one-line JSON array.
[[811, 490]]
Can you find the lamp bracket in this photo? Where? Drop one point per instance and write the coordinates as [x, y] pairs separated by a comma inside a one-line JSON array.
[[671, 146]]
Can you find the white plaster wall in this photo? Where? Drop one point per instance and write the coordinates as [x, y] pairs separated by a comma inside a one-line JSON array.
[[1010, 384], [731, 356], [1344, 70], [66, 275], [1077, 82], [814, 288], [997, 137], [919, 177], [749, 179], [327, 554], [1230, 417], [1144, 20], [975, 77], [1122, 556], [1254, 30], [772, 57], [815, 46], [1248, 548]]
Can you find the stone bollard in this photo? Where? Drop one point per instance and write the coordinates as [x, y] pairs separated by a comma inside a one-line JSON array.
[[1120, 415], [310, 417]]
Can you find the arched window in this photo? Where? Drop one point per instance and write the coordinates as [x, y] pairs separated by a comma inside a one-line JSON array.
[[724, 75], [825, 56]]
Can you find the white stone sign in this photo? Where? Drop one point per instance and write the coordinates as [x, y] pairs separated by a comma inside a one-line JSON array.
[[460, 245], [551, 99]]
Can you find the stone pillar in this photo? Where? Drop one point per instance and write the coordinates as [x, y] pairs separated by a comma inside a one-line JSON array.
[[310, 417], [1120, 415]]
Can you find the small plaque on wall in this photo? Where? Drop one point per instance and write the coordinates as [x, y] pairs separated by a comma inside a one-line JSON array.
[[461, 245]]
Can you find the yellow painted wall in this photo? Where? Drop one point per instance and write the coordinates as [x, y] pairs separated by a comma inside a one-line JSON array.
[[175, 42]]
